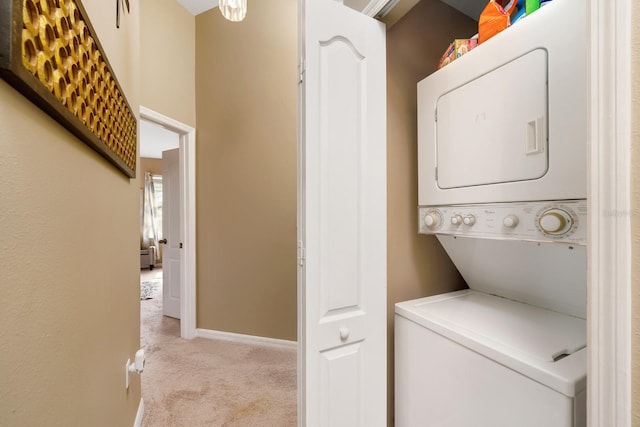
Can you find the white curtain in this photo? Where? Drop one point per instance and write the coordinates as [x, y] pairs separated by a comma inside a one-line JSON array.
[[150, 225]]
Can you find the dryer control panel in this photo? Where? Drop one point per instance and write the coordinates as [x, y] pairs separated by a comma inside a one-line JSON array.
[[563, 221]]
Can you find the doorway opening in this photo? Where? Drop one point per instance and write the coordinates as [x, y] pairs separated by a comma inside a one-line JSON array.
[[164, 137]]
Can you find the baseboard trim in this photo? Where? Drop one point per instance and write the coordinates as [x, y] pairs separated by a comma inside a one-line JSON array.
[[139, 415], [246, 339]]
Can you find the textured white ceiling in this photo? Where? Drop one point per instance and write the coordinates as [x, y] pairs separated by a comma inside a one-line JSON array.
[[155, 139], [471, 8], [196, 7]]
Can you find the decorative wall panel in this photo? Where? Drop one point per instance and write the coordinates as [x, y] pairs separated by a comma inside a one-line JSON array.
[[50, 52]]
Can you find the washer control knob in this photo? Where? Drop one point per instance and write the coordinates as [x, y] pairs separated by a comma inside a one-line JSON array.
[[432, 220], [456, 220], [469, 220], [510, 221], [555, 221]]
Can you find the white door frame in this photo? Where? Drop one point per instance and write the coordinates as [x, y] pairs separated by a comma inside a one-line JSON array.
[[187, 136], [609, 316]]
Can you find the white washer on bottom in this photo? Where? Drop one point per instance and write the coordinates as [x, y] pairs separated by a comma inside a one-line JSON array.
[[469, 359]]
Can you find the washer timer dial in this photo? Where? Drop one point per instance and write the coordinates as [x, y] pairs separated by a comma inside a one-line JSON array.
[[556, 221]]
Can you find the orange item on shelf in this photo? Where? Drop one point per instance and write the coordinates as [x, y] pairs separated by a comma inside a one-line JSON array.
[[493, 19]]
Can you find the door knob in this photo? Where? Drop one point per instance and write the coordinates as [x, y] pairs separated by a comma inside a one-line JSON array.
[[163, 241]]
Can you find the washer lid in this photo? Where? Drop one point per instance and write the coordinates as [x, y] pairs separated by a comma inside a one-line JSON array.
[[528, 339]]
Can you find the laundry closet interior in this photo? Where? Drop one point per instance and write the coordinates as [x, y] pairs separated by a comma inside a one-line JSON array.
[[502, 186]]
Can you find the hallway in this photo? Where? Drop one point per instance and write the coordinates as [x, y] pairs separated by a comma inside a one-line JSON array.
[[204, 382]]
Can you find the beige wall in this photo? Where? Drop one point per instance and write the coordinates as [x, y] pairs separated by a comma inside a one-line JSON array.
[[246, 170], [399, 10], [70, 295], [635, 218], [417, 264], [154, 166], [167, 47]]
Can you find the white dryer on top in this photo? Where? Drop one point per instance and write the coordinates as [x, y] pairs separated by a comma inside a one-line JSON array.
[[506, 122]]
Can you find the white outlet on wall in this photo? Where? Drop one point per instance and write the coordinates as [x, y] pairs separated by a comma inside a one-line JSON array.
[[126, 374], [136, 367]]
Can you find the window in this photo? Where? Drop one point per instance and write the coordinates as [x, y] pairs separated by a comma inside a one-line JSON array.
[[157, 190]]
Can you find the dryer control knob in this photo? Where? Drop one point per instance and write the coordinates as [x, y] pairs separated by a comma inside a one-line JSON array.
[[469, 220], [555, 221], [456, 220], [510, 221], [433, 219]]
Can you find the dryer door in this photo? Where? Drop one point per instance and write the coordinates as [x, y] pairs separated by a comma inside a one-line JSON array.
[[493, 129]]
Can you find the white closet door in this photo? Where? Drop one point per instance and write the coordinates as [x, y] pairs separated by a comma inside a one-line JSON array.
[[342, 217]]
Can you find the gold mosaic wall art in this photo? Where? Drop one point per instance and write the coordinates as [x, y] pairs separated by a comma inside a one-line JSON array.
[[49, 51]]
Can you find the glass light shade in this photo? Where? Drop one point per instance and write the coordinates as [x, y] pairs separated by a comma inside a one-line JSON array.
[[233, 10]]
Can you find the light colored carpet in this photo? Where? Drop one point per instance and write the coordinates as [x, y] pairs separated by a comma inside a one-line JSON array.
[[150, 288], [212, 383]]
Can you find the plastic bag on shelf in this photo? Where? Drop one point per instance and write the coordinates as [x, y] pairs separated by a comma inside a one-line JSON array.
[[494, 18]]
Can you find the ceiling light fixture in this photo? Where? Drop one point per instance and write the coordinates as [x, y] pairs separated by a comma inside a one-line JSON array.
[[233, 10]]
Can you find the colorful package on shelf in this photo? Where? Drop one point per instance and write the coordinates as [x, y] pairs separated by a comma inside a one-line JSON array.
[[526, 8], [493, 19], [531, 6], [456, 49]]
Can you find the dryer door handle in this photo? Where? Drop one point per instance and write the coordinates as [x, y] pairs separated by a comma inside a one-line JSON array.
[[535, 136]]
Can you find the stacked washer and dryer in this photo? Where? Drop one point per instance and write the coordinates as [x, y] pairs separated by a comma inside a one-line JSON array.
[[502, 184]]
